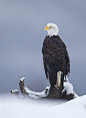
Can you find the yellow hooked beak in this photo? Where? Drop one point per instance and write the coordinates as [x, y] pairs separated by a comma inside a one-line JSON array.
[[46, 28]]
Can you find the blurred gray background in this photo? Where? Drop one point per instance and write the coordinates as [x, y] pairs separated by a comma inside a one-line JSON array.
[[22, 33]]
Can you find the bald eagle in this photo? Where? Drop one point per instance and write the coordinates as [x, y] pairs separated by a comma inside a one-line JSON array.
[[55, 57]]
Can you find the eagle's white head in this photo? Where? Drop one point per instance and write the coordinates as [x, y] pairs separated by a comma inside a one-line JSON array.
[[52, 29]]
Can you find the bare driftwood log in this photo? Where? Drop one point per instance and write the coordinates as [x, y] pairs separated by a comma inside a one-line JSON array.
[[51, 92]]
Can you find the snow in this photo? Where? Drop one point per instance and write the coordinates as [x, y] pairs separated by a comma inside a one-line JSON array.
[[14, 91], [34, 94], [22, 79], [14, 107], [68, 87]]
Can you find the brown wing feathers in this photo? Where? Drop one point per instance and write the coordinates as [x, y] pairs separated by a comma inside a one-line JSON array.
[[55, 58]]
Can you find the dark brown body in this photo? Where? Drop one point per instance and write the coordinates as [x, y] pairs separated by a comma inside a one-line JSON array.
[[55, 58]]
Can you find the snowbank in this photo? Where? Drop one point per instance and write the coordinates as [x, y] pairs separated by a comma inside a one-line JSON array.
[[13, 107]]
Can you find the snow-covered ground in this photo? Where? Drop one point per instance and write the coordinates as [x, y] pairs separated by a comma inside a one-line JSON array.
[[14, 107]]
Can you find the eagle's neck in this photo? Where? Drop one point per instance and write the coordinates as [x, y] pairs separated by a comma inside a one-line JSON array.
[[51, 35]]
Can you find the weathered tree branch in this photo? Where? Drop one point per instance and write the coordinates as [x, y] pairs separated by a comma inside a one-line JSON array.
[[49, 92]]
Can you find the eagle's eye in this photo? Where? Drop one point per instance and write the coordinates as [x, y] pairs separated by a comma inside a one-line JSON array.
[[50, 27]]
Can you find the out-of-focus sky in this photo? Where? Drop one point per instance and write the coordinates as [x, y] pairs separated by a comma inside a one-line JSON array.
[[22, 33]]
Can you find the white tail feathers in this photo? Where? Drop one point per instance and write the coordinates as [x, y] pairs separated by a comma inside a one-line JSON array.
[[58, 83]]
